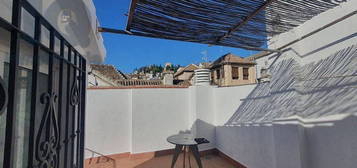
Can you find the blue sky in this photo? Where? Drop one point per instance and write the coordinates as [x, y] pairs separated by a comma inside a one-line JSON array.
[[130, 52]]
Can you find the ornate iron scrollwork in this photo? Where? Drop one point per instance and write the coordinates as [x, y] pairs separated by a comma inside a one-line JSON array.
[[47, 137], [74, 99], [3, 96]]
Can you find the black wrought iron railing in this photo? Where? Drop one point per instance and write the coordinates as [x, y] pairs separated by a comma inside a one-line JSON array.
[[49, 90]]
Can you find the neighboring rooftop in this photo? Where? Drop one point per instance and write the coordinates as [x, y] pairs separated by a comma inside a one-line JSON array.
[[109, 71], [188, 68], [231, 59], [205, 65], [117, 78]]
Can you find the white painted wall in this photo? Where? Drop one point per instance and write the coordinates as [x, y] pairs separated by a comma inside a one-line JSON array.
[[252, 146], [203, 114], [289, 144], [108, 121], [227, 100], [147, 117], [314, 82], [80, 29], [157, 114], [326, 42], [313, 79], [332, 144]]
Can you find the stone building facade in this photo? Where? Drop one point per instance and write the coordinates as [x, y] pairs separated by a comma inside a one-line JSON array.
[[184, 75], [231, 70]]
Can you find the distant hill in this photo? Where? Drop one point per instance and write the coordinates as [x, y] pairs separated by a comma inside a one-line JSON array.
[[155, 69]]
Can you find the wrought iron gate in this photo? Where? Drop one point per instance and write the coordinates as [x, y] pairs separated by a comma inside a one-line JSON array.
[[42, 94]]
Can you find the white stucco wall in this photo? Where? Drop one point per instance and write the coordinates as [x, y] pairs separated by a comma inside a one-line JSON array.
[[147, 117], [313, 79], [80, 29], [252, 146], [227, 100], [134, 120], [324, 43], [332, 144], [203, 114], [108, 121], [157, 114], [313, 82]]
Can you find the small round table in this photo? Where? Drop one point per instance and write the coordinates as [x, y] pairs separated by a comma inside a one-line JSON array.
[[184, 141]]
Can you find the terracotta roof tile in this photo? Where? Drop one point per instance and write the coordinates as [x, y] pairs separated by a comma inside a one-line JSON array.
[[231, 58], [109, 71], [188, 68]]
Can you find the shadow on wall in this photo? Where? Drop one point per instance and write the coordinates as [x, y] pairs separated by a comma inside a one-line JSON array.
[[309, 144], [323, 47], [250, 145], [199, 129], [202, 129], [329, 87], [271, 100], [314, 90], [258, 145], [163, 158]]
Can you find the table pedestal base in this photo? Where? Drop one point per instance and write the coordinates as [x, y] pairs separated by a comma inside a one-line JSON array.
[[193, 149]]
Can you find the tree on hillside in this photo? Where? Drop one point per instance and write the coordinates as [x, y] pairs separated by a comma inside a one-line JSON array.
[[155, 69], [173, 67]]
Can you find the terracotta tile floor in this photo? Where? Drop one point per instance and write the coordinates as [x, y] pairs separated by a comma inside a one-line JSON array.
[[208, 161]]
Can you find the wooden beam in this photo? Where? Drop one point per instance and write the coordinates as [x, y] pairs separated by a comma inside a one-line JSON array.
[[131, 13], [246, 20], [116, 31]]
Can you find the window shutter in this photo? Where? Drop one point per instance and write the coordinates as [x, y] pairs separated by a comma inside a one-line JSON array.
[[245, 73], [235, 73]]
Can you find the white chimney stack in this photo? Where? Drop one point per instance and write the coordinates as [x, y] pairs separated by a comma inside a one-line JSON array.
[[202, 77]]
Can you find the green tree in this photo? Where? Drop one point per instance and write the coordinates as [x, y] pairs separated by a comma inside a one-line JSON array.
[[155, 69]]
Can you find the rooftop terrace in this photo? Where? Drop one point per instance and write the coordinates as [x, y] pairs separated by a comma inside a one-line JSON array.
[[304, 116], [149, 160]]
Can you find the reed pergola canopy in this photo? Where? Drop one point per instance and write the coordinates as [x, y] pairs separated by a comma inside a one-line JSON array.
[[235, 23]]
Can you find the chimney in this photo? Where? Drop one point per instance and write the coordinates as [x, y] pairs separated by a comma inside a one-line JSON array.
[[202, 77], [168, 78]]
